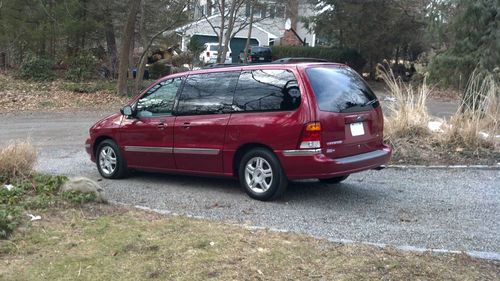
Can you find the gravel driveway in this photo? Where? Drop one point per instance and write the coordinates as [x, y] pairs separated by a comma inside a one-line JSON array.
[[445, 209]]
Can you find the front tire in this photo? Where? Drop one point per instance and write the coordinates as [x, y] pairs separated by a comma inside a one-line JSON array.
[[261, 175], [334, 180], [109, 160]]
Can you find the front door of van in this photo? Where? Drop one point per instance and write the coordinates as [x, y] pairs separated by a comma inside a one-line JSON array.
[[147, 138], [203, 112]]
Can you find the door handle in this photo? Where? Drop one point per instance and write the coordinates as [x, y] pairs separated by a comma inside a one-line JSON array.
[[161, 125], [186, 125]]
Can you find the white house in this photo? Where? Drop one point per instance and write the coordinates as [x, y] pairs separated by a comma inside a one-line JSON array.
[[268, 28]]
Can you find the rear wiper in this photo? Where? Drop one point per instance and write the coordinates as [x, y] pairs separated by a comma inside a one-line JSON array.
[[369, 102]]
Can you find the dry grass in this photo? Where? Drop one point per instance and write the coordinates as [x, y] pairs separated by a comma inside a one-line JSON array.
[[102, 242], [467, 137], [477, 120], [409, 116], [406, 125], [17, 160]]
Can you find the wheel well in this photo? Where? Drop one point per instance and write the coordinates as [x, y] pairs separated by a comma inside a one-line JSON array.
[[98, 141], [240, 152]]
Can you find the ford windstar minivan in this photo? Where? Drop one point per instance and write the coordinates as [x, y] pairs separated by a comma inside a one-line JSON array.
[[263, 124]]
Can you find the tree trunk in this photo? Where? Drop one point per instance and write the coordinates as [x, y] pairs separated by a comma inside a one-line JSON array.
[[141, 64], [229, 30], [397, 57], [221, 34], [249, 37], [109, 31], [128, 35]]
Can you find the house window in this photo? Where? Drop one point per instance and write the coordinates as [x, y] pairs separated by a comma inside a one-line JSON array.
[[272, 11], [280, 11]]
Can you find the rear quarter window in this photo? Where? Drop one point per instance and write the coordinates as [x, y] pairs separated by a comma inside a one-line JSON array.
[[267, 90], [340, 90]]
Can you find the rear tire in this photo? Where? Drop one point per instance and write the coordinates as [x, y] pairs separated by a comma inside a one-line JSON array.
[[109, 160], [334, 180], [261, 175]]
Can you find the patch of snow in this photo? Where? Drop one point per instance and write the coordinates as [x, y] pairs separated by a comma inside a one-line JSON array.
[[435, 126]]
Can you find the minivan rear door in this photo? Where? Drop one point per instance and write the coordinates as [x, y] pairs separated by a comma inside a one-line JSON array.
[[349, 112]]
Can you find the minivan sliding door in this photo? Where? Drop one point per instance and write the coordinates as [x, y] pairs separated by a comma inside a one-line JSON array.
[[203, 112]]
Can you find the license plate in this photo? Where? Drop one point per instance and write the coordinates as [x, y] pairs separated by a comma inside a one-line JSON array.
[[357, 129], [261, 58]]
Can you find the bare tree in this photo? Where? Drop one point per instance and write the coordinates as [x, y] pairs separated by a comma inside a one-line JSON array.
[[177, 10], [128, 35], [231, 23], [249, 36]]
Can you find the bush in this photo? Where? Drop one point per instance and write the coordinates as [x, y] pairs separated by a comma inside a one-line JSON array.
[[159, 69], [349, 57], [36, 68], [9, 220], [450, 71], [81, 68], [17, 160], [182, 59]]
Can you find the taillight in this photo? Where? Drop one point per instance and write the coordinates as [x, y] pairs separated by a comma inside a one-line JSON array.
[[311, 136], [249, 58], [208, 54]]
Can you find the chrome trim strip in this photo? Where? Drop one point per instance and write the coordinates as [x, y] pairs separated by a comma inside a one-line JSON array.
[[362, 157], [149, 149], [202, 151], [301, 152]]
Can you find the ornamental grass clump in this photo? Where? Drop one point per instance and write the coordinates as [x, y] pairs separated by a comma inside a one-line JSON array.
[[476, 124], [17, 160]]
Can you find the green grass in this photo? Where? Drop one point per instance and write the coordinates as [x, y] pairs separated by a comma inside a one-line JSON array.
[[102, 242], [34, 193]]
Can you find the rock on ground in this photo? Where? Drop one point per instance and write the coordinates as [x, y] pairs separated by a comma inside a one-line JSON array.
[[85, 185]]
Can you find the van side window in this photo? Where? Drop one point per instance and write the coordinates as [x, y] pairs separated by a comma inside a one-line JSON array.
[[267, 90], [210, 93], [159, 100]]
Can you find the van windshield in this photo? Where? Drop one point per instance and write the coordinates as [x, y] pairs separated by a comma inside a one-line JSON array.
[[340, 90]]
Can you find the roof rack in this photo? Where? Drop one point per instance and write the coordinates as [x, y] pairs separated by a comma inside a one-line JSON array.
[[217, 65]]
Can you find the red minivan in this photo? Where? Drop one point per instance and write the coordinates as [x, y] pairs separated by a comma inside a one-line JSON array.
[[263, 124]]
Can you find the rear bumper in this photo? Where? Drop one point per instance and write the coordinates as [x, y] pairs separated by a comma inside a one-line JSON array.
[[314, 164]]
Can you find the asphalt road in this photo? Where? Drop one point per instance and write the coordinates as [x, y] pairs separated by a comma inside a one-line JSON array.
[[445, 209]]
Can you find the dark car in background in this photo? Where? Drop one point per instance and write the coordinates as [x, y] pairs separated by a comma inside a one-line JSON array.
[[258, 54]]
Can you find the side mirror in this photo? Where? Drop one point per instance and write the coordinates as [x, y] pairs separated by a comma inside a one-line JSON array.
[[127, 110]]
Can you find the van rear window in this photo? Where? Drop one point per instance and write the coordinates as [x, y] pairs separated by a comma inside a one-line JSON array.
[[340, 90]]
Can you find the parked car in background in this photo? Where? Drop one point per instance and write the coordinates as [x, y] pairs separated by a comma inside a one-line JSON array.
[[209, 54], [263, 124], [257, 54]]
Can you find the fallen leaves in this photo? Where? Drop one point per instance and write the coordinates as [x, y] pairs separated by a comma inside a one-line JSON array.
[[18, 95]]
